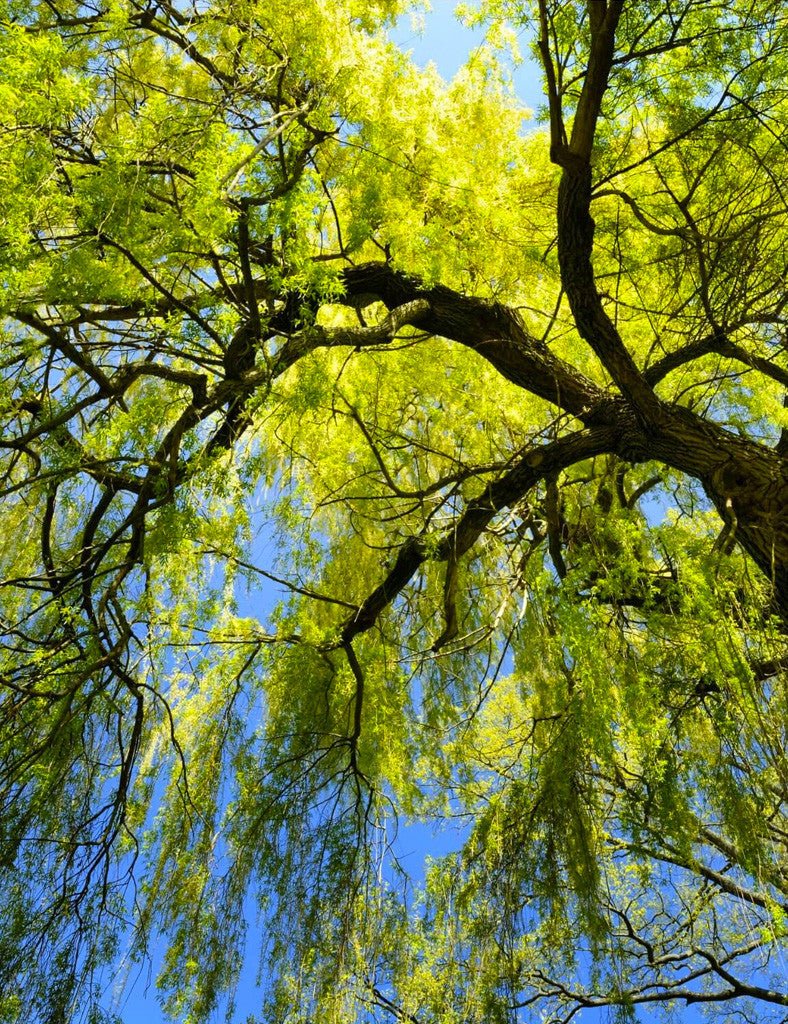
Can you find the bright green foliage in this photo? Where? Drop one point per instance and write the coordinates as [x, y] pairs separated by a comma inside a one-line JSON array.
[[283, 313]]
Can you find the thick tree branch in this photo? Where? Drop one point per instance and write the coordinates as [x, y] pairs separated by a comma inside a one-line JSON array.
[[575, 224], [491, 330], [604, 20]]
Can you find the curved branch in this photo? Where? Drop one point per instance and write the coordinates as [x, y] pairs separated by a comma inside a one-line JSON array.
[[491, 330], [719, 344], [532, 467]]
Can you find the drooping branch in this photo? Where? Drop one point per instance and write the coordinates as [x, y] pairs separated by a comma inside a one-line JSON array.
[[530, 468]]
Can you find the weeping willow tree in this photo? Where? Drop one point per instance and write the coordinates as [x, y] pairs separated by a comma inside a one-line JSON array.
[[495, 408]]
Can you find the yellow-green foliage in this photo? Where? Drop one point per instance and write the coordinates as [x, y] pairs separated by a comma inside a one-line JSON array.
[[582, 719]]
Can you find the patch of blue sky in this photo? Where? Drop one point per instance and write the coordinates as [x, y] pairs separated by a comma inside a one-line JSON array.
[[439, 37]]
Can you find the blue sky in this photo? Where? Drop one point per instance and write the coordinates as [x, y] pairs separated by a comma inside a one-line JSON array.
[[447, 43]]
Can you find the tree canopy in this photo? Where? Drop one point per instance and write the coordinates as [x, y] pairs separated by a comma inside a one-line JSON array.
[[498, 407]]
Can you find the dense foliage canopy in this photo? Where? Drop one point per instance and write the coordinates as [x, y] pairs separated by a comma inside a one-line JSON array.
[[497, 408]]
